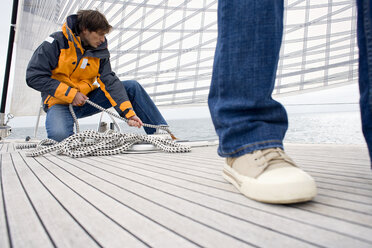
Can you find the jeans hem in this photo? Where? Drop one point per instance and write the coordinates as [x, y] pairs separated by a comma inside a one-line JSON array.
[[248, 148]]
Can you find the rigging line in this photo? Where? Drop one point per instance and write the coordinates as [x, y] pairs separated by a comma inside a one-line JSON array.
[[180, 44], [57, 11], [352, 43], [139, 19], [320, 23], [140, 41], [320, 68], [332, 49], [293, 66], [110, 7], [334, 77], [148, 74], [319, 80], [149, 26], [100, 6], [320, 18], [328, 43], [159, 83], [178, 91], [61, 15], [65, 12], [318, 6], [168, 31], [161, 7], [172, 69], [285, 56], [321, 104], [199, 50], [304, 45], [183, 101], [170, 43], [349, 33], [111, 18], [166, 58], [279, 70], [120, 38], [295, 4], [37, 9], [180, 80], [47, 5], [170, 27], [160, 53], [175, 24], [317, 47], [91, 3]]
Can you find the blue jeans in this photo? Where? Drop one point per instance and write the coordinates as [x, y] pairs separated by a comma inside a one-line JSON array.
[[245, 116], [60, 124], [365, 68]]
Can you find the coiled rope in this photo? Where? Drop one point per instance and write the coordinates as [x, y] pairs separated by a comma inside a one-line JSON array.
[[93, 143]]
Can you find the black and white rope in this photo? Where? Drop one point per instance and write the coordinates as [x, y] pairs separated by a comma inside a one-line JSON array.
[[93, 143], [163, 127]]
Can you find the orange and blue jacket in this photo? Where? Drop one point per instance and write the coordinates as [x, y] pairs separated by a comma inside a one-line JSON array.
[[60, 67]]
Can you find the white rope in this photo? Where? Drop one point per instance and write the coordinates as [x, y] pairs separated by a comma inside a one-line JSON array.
[[93, 143], [163, 127]]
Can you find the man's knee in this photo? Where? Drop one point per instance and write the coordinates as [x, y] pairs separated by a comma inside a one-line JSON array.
[[58, 134], [131, 86]]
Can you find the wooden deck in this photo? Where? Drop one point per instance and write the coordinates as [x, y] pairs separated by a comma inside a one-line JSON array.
[[178, 200]]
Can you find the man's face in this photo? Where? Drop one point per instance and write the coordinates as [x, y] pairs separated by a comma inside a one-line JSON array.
[[92, 38]]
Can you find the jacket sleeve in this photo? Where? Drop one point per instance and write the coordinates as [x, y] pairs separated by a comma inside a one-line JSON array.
[[39, 72], [114, 90]]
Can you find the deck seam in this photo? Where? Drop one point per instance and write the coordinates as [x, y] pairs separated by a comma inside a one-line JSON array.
[[4, 204], [295, 220]]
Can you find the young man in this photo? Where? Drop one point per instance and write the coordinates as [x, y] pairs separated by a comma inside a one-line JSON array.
[[65, 67]]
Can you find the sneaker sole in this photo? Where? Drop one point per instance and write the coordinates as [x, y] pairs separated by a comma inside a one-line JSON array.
[[284, 198]]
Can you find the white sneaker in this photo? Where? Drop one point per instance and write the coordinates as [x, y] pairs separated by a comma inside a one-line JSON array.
[[270, 176]]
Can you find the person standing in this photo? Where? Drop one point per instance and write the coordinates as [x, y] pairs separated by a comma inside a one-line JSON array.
[[250, 124]]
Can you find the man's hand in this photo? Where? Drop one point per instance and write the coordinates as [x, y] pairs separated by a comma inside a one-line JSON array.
[[79, 99], [134, 121]]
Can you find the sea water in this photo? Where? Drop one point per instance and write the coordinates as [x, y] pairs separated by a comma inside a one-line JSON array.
[[318, 128]]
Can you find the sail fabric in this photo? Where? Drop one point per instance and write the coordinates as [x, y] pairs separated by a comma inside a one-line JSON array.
[[168, 46]]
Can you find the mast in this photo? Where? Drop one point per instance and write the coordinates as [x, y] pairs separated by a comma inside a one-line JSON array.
[[3, 128]]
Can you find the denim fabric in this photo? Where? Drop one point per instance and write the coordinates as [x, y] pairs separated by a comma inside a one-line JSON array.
[[245, 116], [59, 122], [365, 68]]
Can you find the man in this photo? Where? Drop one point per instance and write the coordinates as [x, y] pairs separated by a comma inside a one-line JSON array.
[[65, 67], [250, 124]]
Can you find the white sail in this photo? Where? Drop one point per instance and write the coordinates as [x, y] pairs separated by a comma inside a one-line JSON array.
[[168, 46]]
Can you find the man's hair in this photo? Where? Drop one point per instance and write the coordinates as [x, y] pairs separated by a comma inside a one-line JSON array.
[[93, 20]]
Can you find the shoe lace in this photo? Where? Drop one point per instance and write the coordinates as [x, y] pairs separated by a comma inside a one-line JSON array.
[[274, 156]]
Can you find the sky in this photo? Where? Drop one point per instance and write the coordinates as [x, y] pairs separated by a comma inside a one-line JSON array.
[[342, 94]]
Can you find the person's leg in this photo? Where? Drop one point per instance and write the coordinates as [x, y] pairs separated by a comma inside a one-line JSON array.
[[250, 124], [98, 97], [365, 68], [143, 106], [59, 123], [245, 116]]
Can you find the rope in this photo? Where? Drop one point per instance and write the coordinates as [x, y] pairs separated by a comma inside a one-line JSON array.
[[163, 127], [93, 143]]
